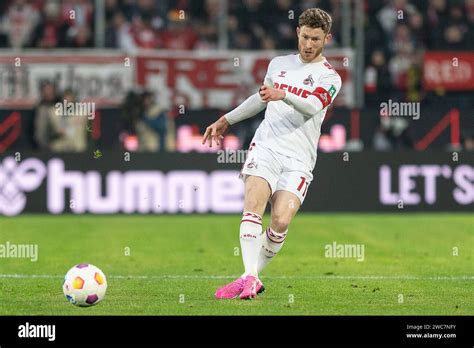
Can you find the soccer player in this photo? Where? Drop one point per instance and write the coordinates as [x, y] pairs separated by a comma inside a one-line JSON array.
[[296, 92]]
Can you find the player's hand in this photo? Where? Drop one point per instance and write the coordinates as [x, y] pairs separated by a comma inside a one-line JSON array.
[[269, 94], [216, 131]]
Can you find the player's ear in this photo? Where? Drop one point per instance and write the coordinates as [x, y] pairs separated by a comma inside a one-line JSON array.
[[298, 31], [328, 38]]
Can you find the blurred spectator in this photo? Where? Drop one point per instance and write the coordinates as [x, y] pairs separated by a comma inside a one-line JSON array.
[[44, 113], [152, 10], [402, 40], [144, 35], [179, 35], [452, 39], [78, 14], [56, 130], [378, 84], [119, 34], [207, 23], [436, 11], [154, 124], [470, 12], [130, 113], [111, 8], [454, 30], [405, 56], [284, 28], [418, 29], [18, 23], [470, 22], [71, 128], [246, 24], [50, 31], [144, 117], [80, 37], [393, 12], [392, 134]]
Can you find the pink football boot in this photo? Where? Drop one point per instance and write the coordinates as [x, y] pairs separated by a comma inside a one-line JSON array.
[[250, 288], [234, 289], [231, 290]]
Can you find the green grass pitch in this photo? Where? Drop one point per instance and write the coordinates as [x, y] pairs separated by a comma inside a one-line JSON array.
[[176, 263]]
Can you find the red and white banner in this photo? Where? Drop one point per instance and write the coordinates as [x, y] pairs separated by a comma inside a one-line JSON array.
[[95, 77], [194, 79], [452, 71], [221, 80]]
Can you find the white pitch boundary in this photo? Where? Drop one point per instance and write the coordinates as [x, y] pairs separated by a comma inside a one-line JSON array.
[[203, 277]]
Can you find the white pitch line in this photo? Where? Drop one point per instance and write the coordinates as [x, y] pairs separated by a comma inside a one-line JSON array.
[[202, 277]]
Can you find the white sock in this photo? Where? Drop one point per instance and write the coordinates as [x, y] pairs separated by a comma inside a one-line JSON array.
[[271, 244], [250, 241]]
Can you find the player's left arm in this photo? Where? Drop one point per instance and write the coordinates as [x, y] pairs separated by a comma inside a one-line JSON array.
[[320, 98]]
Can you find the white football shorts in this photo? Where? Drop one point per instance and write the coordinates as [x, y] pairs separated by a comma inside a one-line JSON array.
[[282, 173]]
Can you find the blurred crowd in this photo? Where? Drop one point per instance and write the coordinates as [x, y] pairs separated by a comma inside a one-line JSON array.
[[396, 27], [397, 33], [46, 23], [144, 124], [400, 31]]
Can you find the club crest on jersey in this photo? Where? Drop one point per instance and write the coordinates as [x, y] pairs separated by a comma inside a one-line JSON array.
[[309, 80], [282, 74]]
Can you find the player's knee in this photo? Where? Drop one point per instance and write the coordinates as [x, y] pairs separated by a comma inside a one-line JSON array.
[[280, 222], [254, 205]]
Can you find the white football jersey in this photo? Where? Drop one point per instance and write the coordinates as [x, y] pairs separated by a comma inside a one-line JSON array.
[[285, 130]]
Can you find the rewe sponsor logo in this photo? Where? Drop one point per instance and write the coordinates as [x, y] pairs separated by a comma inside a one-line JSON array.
[[37, 331], [300, 92]]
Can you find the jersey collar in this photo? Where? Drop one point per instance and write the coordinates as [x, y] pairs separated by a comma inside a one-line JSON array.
[[298, 57]]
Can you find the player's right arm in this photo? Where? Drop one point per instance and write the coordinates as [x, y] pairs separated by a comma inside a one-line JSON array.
[[249, 108]]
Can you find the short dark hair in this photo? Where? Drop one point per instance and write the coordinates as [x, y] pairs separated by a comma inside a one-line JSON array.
[[316, 18]]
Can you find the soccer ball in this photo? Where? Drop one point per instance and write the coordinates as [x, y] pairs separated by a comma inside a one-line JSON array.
[[84, 285]]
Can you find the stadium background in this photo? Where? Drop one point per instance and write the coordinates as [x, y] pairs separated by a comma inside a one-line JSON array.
[[157, 73]]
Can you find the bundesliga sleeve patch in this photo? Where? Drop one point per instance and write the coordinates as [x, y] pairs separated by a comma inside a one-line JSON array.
[[323, 95]]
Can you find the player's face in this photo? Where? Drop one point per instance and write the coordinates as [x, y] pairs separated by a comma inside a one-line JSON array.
[[311, 42]]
